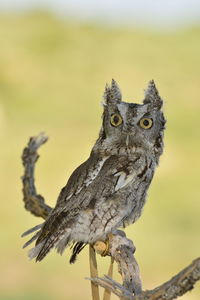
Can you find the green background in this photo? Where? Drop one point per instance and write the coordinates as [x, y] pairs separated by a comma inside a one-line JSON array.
[[52, 77]]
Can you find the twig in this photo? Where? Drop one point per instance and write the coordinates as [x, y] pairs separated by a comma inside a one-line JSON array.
[[107, 293], [115, 287], [93, 273], [181, 283]]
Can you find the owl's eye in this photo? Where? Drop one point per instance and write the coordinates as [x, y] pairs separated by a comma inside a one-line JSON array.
[[146, 123], [116, 120]]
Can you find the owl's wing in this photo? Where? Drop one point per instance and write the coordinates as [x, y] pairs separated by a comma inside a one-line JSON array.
[[96, 178], [81, 178]]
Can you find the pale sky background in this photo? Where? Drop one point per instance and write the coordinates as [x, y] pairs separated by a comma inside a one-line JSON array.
[[164, 13]]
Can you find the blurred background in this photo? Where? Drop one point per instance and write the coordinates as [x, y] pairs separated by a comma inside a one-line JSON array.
[[55, 58]]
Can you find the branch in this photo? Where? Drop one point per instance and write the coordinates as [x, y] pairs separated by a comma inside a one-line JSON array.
[[34, 202], [115, 287], [122, 251], [180, 284]]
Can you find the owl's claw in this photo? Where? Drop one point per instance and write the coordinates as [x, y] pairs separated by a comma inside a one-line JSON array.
[[107, 247], [102, 248]]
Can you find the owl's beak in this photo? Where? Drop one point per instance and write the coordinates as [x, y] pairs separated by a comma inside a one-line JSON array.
[[127, 140]]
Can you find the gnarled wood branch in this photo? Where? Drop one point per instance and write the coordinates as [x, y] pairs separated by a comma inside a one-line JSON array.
[[181, 283], [118, 246], [122, 251], [34, 202]]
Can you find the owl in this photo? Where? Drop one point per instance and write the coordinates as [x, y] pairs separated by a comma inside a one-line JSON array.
[[109, 189]]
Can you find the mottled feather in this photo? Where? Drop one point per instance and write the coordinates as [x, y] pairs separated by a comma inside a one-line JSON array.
[[109, 189]]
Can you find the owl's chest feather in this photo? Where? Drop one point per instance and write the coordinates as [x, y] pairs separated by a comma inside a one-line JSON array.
[[119, 192], [134, 168]]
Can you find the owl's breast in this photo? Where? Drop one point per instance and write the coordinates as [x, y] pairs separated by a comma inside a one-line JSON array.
[[114, 198], [132, 188]]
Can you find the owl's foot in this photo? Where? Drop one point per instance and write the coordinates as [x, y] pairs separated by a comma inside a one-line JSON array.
[[103, 248], [107, 247]]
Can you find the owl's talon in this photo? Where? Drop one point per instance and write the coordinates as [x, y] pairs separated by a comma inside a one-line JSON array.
[[102, 248], [107, 247]]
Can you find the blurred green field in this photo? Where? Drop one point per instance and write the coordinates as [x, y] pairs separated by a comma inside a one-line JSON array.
[[52, 76]]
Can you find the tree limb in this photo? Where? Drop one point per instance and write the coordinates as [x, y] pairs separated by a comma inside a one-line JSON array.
[[181, 283], [34, 202], [122, 251]]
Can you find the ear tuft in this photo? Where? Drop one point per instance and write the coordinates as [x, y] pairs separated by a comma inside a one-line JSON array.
[[152, 96], [112, 94]]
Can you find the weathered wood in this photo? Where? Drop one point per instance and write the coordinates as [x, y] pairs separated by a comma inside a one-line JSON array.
[[34, 202], [107, 293], [180, 284], [94, 273], [122, 251]]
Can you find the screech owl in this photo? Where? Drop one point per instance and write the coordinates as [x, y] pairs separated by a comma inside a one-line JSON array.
[[108, 190]]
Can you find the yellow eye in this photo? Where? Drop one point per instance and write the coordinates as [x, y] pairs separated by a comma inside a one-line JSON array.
[[116, 120], [146, 123]]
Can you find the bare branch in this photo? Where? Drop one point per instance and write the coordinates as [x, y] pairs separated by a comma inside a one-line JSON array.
[[93, 273], [34, 202], [122, 251], [180, 284], [115, 287]]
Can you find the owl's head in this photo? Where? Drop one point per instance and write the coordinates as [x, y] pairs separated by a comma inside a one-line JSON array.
[[132, 125]]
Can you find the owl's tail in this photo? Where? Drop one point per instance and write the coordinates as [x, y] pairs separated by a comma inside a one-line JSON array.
[[45, 241], [43, 248], [35, 228], [49, 241], [34, 251]]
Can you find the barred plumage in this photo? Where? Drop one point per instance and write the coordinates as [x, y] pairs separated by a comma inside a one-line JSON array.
[[107, 191]]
